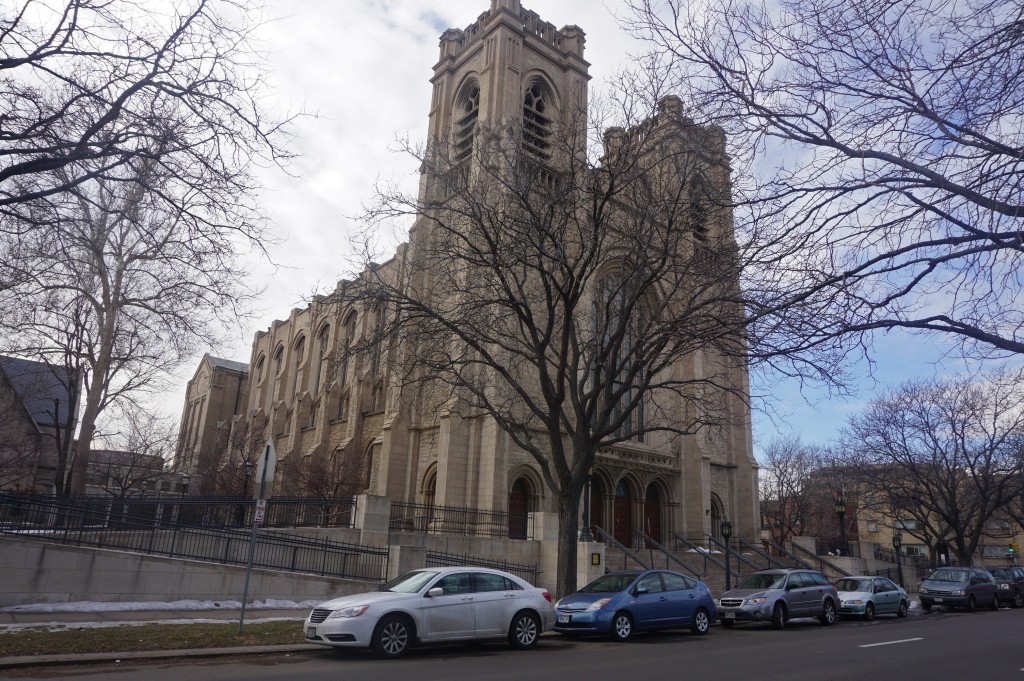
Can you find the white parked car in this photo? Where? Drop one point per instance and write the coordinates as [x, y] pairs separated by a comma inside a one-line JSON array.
[[435, 604]]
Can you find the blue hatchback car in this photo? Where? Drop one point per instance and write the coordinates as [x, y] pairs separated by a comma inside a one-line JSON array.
[[621, 603]]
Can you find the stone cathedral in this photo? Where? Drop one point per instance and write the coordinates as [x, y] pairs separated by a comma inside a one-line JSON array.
[[337, 418]]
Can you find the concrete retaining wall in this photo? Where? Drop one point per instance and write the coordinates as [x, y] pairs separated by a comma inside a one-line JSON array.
[[36, 572]]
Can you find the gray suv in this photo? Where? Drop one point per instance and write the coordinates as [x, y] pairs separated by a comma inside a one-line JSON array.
[[958, 587], [777, 596]]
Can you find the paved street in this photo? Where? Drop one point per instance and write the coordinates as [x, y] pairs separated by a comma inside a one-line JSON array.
[[945, 646]]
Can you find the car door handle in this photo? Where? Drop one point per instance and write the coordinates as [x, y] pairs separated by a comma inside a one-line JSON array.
[[663, 599], [467, 598], [691, 597]]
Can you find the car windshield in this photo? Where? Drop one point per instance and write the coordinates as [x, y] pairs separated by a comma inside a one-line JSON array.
[[853, 585], [765, 581], [948, 576], [608, 584], [410, 582]]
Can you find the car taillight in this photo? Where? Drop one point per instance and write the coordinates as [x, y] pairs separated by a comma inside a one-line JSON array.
[[547, 596]]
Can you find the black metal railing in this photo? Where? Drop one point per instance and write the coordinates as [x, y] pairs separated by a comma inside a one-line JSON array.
[[609, 540], [430, 519], [698, 550], [442, 559], [781, 551], [653, 544], [73, 523], [821, 562], [737, 552], [834, 547], [113, 512], [770, 561]]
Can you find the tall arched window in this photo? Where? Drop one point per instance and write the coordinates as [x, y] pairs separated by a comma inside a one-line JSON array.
[[537, 121], [349, 331], [260, 367], [617, 351], [467, 111], [278, 368], [300, 355], [322, 345]]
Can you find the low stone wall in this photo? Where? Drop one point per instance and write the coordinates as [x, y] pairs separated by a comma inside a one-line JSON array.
[[37, 572]]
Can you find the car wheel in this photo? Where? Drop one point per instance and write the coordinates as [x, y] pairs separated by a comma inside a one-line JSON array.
[[392, 637], [902, 610], [869, 612], [622, 626], [728, 623], [927, 607], [972, 605], [778, 616], [995, 601], [524, 631], [828, 613], [1018, 600], [701, 622]]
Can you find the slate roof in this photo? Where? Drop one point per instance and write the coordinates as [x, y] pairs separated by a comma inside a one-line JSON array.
[[37, 385], [230, 365]]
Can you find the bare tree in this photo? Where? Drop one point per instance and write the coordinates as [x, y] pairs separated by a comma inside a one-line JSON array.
[[567, 298], [894, 173], [784, 476], [945, 454], [237, 463], [136, 457]]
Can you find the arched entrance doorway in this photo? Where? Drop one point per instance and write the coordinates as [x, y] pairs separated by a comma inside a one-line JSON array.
[[518, 508], [652, 512], [716, 518], [622, 518]]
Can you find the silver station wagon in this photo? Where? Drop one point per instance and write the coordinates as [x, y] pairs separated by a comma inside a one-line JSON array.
[[778, 596]]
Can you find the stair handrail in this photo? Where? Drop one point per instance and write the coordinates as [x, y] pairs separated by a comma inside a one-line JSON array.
[[739, 556], [668, 554], [822, 562], [680, 539], [608, 539], [772, 561], [783, 551]]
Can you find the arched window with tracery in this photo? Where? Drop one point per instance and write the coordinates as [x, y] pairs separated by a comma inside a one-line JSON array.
[[278, 368], [321, 357], [537, 120], [467, 112], [300, 355], [617, 350]]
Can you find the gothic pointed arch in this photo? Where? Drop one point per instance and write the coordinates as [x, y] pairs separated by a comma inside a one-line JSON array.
[[539, 107], [465, 117]]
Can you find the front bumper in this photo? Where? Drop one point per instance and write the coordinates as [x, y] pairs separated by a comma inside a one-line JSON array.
[[745, 613], [341, 632], [944, 599], [852, 608], [582, 622]]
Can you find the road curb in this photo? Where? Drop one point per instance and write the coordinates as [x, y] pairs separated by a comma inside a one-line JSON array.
[[94, 658]]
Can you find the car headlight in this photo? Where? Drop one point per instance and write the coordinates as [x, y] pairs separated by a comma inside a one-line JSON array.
[[1004, 587], [760, 600], [922, 590], [856, 601], [352, 611], [960, 593], [598, 604]]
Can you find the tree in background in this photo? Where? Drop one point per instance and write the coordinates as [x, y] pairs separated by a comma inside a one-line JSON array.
[[946, 454], [134, 459], [888, 136]]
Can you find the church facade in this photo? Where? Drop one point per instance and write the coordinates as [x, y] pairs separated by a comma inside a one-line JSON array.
[[333, 397]]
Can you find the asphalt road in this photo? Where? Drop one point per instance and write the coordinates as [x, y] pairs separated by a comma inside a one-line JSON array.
[[939, 646]]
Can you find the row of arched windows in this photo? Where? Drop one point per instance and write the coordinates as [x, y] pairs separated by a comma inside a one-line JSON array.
[[536, 120]]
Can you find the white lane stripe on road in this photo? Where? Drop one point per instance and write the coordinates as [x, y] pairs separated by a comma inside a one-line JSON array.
[[889, 643]]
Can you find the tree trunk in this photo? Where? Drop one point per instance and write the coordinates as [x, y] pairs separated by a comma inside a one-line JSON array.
[[568, 529]]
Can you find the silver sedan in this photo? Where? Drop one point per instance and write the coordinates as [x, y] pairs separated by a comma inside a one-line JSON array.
[[435, 604]]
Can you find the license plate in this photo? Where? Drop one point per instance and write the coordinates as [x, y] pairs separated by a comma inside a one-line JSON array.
[[564, 619], [729, 615], [310, 632], [937, 600]]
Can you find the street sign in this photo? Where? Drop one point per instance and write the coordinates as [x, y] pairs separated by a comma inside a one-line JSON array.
[[265, 473], [261, 510]]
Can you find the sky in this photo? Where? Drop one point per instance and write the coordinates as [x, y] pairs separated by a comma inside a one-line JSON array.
[[363, 68]]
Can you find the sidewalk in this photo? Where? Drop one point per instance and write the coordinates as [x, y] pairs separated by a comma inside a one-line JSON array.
[[11, 622]]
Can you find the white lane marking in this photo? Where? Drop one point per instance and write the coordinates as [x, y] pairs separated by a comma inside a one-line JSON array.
[[889, 643]]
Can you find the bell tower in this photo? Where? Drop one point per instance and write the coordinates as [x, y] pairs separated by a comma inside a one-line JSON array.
[[507, 67]]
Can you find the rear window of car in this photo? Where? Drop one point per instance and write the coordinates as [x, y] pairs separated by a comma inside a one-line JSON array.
[[674, 582], [948, 575], [1002, 573], [817, 578], [853, 585]]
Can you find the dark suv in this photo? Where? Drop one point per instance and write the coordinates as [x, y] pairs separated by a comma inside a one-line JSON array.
[[1009, 584], [778, 596]]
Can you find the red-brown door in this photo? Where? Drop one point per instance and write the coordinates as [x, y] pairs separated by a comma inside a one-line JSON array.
[[518, 508]]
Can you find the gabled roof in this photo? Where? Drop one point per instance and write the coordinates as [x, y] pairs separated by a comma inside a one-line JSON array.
[[37, 385], [230, 365]]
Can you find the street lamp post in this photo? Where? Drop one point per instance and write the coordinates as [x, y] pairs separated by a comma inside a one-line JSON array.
[[897, 541], [841, 515], [726, 528], [585, 536]]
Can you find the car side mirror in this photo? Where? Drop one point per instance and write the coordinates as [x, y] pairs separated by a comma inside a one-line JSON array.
[[790, 587], [436, 591], [640, 590]]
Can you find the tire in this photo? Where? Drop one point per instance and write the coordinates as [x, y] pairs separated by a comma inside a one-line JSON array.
[[778, 616], [972, 605], [392, 638], [701, 623], [524, 631], [902, 611], [728, 624], [828, 613], [995, 601], [622, 626], [927, 607], [869, 612], [1018, 600]]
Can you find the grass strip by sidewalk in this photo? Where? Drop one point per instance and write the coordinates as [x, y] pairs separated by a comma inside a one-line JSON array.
[[129, 638]]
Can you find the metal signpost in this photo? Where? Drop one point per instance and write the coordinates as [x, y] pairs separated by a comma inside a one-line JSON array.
[[265, 475]]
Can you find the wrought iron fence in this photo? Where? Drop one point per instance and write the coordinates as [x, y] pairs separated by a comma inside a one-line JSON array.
[[441, 559], [114, 512], [834, 547], [429, 519], [76, 523]]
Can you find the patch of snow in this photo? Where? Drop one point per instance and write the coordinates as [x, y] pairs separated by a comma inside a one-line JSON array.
[[97, 606]]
